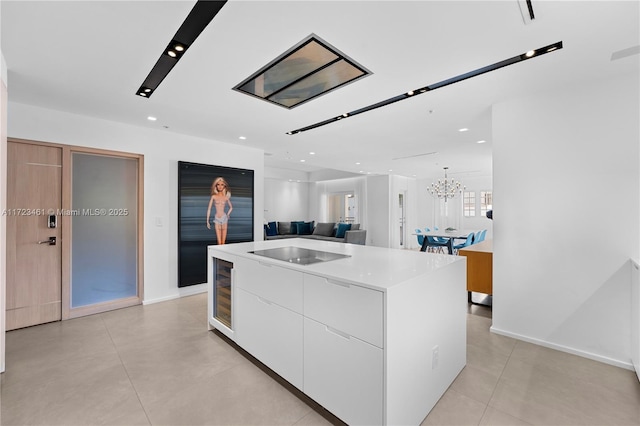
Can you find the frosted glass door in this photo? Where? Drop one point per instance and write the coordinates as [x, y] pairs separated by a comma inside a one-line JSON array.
[[104, 229]]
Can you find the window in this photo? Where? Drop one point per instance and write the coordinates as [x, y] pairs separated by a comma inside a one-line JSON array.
[[486, 202], [469, 204]]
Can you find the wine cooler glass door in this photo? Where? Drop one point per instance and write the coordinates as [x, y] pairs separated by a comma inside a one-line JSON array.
[[222, 292]]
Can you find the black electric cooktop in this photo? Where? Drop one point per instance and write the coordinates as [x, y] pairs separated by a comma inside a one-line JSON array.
[[299, 255]]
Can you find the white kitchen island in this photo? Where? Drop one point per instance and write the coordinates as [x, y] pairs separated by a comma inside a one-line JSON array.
[[375, 337]]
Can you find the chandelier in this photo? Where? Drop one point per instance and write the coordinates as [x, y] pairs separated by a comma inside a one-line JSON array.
[[447, 188]]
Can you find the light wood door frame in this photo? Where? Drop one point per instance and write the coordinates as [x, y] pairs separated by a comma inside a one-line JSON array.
[[64, 222]]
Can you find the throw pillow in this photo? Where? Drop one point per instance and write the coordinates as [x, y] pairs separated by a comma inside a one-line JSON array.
[[272, 229], [342, 229], [304, 228], [284, 228], [324, 229], [294, 226]]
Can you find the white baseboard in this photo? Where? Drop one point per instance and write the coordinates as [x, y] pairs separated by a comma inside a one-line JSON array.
[[182, 292], [561, 348]]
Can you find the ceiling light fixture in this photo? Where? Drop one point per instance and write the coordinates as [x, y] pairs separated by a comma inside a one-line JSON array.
[[464, 129], [445, 188], [150, 118], [493, 67], [199, 17], [482, 141]]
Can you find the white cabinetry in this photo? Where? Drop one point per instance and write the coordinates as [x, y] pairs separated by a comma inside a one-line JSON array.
[[269, 317], [272, 334], [355, 310], [376, 338]]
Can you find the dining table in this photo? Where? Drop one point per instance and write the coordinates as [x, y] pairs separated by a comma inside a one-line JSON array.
[[447, 238]]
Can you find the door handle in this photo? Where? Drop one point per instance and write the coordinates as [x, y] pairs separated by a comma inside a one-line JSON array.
[[51, 241]]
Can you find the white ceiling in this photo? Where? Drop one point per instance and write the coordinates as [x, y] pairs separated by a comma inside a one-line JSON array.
[[90, 57]]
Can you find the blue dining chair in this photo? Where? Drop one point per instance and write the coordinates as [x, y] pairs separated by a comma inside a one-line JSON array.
[[480, 236], [420, 237], [439, 239], [435, 244], [467, 242]]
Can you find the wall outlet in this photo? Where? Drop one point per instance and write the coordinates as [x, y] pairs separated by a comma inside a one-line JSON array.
[[435, 354]]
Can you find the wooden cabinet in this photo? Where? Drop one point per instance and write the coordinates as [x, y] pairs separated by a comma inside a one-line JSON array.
[[479, 267]]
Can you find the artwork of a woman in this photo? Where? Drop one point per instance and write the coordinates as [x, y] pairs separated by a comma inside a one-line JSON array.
[[220, 198]]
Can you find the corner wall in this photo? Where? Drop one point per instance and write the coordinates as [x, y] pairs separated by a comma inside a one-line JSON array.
[[3, 206], [566, 201], [162, 150]]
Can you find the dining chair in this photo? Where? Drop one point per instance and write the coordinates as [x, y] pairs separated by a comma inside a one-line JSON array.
[[420, 237], [467, 242], [439, 239], [480, 236], [436, 244]]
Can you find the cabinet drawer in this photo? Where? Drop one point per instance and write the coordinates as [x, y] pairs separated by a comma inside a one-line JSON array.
[[273, 283], [355, 310], [343, 374], [272, 334]]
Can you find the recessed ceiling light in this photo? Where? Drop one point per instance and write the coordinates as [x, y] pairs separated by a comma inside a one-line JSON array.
[[312, 153], [464, 129], [531, 53], [242, 137], [302, 161], [482, 141], [358, 163], [179, 47], [390, 170], [151, 118], [172, 53]]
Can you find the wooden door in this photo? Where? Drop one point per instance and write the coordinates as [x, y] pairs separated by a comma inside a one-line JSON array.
[[34, 265]]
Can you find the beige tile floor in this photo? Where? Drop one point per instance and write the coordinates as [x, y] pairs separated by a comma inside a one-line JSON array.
[[158, 364]]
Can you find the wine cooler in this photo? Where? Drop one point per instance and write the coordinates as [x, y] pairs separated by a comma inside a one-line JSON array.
[[222, 291]]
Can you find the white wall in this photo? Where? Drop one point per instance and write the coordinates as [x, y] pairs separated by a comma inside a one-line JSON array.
[[286, 201], [378, 211], [566, 204], [3, 205], [162, 150]]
